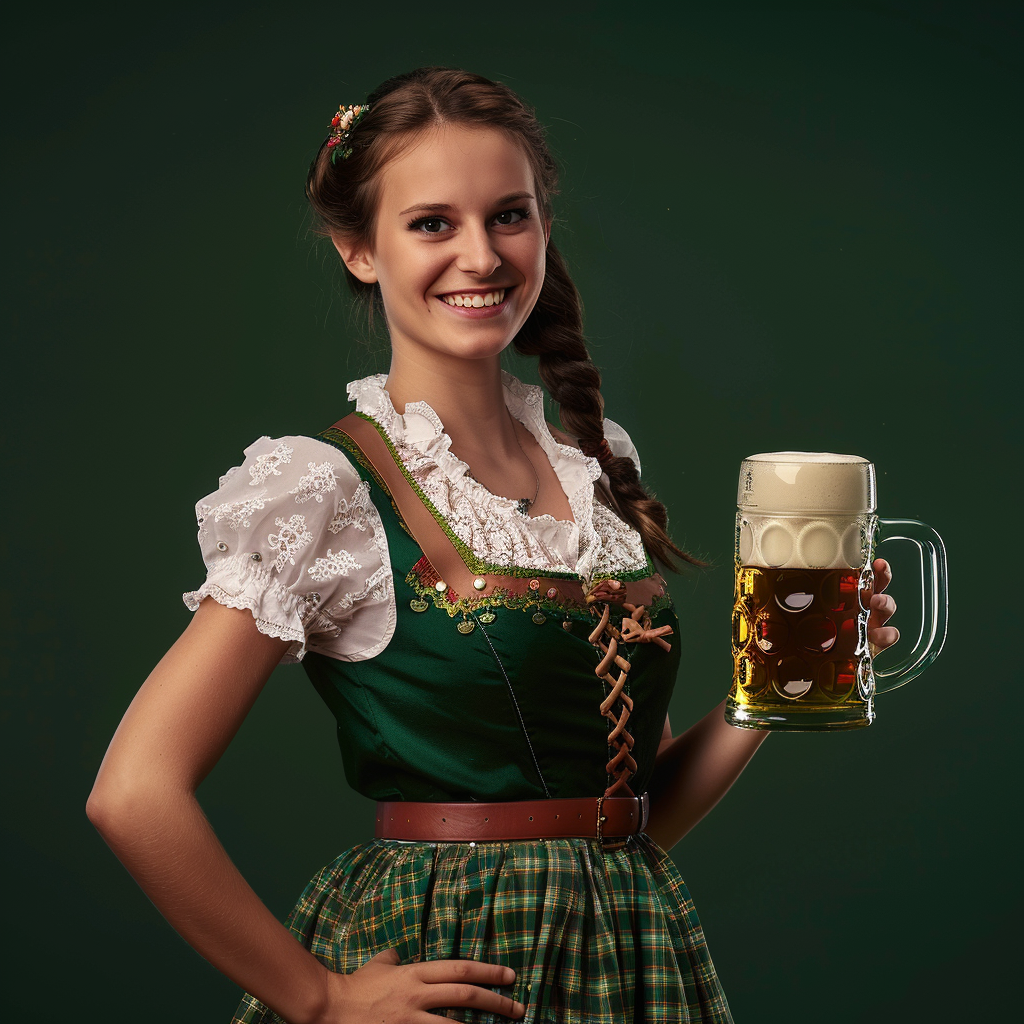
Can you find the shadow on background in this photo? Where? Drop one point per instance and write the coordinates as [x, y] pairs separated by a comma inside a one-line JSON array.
[[791, 229]]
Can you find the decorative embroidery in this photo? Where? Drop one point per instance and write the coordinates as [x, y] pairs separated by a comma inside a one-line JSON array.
[[320, 480], [266, 465], [236, 513], [352, 513], [291, 536], [339, 563], [423, 577]]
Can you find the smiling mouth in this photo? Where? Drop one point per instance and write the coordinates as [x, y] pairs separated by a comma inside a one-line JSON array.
[[475, 300]]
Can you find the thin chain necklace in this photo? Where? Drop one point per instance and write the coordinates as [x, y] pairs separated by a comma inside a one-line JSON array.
[[523, 505]]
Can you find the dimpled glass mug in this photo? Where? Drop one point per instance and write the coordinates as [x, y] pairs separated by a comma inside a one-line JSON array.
[[805, 538]]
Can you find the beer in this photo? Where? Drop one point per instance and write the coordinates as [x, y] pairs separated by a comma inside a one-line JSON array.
[[799, 644]]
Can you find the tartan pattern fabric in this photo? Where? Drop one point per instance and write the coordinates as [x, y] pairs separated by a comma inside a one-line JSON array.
[[596, 935]]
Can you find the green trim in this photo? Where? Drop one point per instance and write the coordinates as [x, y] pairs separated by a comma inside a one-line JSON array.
[[499, 597], [473, 563], [339, 439]]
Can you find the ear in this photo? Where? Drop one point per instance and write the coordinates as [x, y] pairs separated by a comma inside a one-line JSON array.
[[357, 258]]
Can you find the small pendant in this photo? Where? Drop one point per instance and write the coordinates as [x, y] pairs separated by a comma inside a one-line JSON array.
[[487, 618], [523, 506], [466, 626], [539, 618], [417, 604]]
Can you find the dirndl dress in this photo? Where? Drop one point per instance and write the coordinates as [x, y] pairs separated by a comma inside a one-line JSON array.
[[492, 695]]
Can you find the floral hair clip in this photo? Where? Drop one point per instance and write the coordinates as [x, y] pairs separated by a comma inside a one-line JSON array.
[[341, 128]]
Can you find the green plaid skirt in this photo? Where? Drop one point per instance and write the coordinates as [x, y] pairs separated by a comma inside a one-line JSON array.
[[596, 935]]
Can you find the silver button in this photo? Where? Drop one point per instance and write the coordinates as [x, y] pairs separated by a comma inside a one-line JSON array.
[[221, 546], [256, 556]]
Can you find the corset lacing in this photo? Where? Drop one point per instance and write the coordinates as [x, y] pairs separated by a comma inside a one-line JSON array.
[[617, 704]]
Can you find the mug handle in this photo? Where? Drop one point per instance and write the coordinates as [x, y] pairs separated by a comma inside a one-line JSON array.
[[934, 601]]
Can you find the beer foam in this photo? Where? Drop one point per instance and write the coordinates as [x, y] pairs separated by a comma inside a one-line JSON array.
[[806, 482], [841, 541]]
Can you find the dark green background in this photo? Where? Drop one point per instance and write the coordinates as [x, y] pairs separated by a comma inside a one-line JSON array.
[[792, 228]]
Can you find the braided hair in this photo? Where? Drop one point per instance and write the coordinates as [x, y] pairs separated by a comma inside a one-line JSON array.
[[344, 195]]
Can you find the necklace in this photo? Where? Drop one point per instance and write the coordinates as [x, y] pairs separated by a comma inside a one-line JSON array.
[[523, 505]]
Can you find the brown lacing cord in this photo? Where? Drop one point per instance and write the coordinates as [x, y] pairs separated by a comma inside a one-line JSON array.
[[636, 628]]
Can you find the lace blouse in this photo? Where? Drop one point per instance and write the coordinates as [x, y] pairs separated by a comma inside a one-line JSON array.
[[292, 535]]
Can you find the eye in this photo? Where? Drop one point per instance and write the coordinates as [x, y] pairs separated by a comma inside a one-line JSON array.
[[429, 225], [508, 217]]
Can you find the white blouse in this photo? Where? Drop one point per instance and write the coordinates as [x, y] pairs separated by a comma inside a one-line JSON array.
[[292, 535]]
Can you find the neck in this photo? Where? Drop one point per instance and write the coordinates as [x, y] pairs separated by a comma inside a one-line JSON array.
[[466, 394]]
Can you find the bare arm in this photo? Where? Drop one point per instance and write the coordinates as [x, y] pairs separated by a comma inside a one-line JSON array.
[[144, 805], [694, 771]]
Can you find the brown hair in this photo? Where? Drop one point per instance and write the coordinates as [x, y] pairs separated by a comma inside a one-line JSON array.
[[344, 197]]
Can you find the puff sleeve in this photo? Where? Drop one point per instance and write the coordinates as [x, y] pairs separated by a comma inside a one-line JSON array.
[[292, 536]]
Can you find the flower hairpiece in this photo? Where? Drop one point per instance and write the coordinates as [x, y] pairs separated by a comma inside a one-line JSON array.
[[341, 128]]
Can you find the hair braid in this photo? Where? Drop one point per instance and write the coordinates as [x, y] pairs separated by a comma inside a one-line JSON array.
[[554, 333]]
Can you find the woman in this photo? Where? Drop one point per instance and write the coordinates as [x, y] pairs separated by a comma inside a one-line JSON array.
[[474, 598]]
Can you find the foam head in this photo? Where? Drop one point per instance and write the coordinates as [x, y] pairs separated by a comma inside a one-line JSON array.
[[806, 482], [807, 510]]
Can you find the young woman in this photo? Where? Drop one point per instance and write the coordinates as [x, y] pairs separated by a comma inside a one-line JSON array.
[[473, 593]]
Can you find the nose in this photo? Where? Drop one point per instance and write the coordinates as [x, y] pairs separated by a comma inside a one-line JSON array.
[[477, 254]]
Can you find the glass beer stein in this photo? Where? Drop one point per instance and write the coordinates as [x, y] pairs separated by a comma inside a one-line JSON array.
[[806, 531]]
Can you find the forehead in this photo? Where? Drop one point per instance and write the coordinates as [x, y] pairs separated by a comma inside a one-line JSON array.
[[457, 165]]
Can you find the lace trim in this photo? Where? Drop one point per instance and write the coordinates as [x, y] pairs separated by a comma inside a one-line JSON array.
[[472, 561], [238, 582]]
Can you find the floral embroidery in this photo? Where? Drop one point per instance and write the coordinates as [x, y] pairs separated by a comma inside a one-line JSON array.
[[291, 536], [354, 512], [237, 513], [266, 465], [339, 563], [320, 480]]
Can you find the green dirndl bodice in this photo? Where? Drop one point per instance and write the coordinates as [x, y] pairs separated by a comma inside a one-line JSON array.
[[495, 698]]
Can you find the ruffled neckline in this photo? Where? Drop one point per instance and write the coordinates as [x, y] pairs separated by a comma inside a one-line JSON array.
[[491, 524]]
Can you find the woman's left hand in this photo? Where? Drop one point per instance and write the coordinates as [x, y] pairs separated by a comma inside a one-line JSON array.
[[882, 607]]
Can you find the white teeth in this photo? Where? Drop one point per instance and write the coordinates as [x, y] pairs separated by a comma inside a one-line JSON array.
[[495, 298]]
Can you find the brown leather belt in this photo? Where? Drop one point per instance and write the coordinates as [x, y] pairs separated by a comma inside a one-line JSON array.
[[573, 818]]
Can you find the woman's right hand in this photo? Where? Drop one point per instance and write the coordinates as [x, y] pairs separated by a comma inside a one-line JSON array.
[[384, 989]]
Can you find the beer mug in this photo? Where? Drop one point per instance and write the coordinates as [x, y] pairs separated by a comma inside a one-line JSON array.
[[806, 531]]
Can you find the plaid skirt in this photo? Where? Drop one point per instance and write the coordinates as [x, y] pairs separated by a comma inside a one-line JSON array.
[[596, 935]]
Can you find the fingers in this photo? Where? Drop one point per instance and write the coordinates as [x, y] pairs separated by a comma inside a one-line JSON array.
[[884, 637], [883, 574], [883, 607], [471, 971], [461, 983], [476, 997]]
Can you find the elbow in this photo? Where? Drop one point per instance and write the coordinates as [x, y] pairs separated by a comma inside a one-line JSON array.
[[119, 807]]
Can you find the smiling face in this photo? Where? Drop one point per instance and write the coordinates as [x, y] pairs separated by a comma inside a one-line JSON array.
[[459, 243]]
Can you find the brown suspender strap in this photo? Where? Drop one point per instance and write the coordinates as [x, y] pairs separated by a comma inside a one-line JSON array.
[[439, 549]]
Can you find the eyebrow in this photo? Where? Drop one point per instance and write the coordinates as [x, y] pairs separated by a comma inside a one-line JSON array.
[[512, 197]]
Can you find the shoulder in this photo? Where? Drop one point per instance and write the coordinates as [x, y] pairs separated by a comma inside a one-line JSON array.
[[292, 534]]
